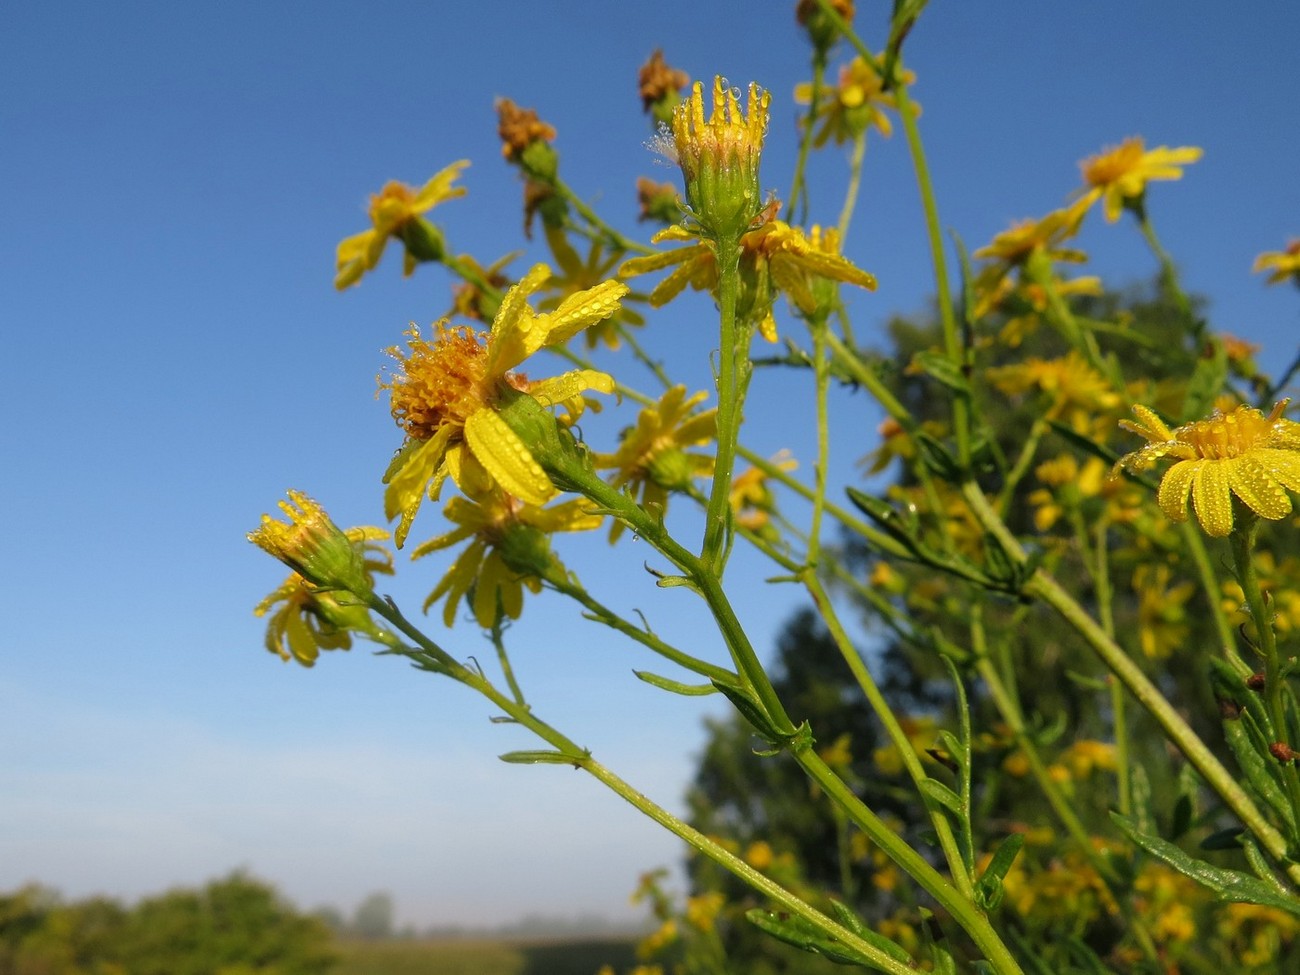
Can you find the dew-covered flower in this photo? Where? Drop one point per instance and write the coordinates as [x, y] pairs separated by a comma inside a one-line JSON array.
[[719, 157], [1243, 453], [509, 550], [1119, 175], [773, 257], [448, 390], [653, 458], [1280, 265], [319, 606], [396, 211]]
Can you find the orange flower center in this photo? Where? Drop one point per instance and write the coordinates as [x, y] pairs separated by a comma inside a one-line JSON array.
[[390, 203], [440, 381], [1110, 166], [1225, 436]]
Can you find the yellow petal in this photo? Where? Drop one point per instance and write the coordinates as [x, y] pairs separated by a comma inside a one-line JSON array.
[[1257, 488], [1282, 465], [1177, 484], [504, 456], [578, 311], [550, 392], [439, 188], [1212, 498], [407, 485]]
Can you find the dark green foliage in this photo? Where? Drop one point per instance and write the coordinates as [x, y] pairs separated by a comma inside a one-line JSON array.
[[234, 926]]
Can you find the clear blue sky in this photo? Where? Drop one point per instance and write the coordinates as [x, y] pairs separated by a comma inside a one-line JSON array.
[[175, 178]]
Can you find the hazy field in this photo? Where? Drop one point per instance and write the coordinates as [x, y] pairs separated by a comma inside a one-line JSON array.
[[461, 956]]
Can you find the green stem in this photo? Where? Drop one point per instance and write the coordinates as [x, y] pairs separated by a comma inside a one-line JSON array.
[[1168, 270], [590, 215], [602, 614], [1243, 546], [744, 871], [1214, 597], [855, 183], [962, 909], [889, 721], [821, 383], [581, 758], [1176, 729], [798, 186], [730, 395]]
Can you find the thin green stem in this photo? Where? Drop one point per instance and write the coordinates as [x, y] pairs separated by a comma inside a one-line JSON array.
[[1243, 547], [654, 365], [1213, 597], [593, 218], [962, 909], [798, 185], [889, 721], [730, 403], [1176, 729], [821, 383], [503, 658], [855, 183], [1168, 270]]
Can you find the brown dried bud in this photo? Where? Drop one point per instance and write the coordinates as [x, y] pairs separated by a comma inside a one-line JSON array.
[[1256, 682], [1282, 752]]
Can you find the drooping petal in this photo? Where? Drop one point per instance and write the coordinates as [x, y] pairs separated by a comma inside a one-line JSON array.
[[1283, 465], [1174, 488], [508, 344], [571, 516], [1212, 497], [439, 188], [421, 471], [1250, 481], [506, 458]]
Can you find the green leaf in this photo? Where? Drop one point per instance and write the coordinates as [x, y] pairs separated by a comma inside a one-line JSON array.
[[944, 796], [846, 917], [750, 709], [675, 687], [1250, 747], [541, 758], [988, 890], [801, 934], [943, 369], [1230, 886], [1140, 786]]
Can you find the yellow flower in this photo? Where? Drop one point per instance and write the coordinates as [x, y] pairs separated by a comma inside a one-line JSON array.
[[652, 459], [759, 855], [448, 391], [510, 549], [1242, 453], [719, 158], [1028, 246], [703, 909], [1087, 756], [319, 606], [854, 106], [1280, 264], [1162, 614], [1120, 174], [395, 212], [774, 256], [1075, 391], [578, 274], [752, 500]]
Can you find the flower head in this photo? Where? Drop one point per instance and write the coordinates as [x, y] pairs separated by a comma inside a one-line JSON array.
[[1119, 175], [523, 134], [1280, 265], [447, 392], [773, 257], [396, 211], [719, 157], [1242, 453], [316, 548], [851, 108], [509, 551], [653, 460], [309, 620]]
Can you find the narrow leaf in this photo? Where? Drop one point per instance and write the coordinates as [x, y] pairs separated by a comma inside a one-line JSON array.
[[676, 687]]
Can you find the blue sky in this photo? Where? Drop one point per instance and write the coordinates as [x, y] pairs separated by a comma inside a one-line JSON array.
[[175, 178]]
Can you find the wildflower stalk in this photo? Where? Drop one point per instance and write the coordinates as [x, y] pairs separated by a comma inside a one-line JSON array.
[[1176, 729], [595, 220], [1118, 705], [433, 655], [817, 325], [1021, 466], [1168, 271], [730, 401], [952, 853], [600, 613], [799, 185], [962, 909], [1265, 642], [1195, 543], [503, 658], [855, 183]]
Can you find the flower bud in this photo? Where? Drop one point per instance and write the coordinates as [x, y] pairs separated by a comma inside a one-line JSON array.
[[313, 546], [719, 158]]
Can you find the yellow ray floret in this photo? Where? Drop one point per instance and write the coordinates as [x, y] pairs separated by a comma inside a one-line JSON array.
[[1243, 453]]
